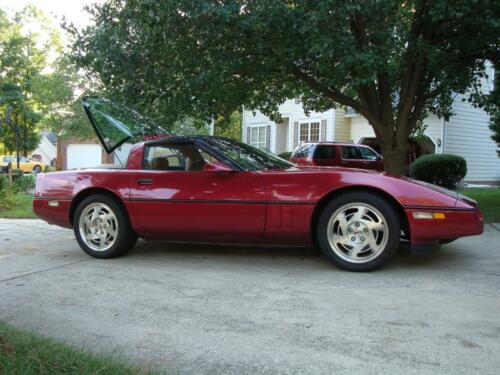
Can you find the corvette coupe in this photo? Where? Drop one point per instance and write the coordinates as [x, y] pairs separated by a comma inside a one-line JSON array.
[[217, 190]]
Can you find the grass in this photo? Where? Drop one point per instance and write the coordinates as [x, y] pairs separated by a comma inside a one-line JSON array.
[[21, 209], [489, 202], [26, 353]]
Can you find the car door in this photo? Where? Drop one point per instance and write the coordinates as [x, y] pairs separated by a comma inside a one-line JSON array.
[[354, 157], [325, 155], [25, 164], [176, 197]]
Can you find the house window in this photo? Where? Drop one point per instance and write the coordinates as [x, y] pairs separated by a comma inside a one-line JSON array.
[[309, 131], [258, 136]]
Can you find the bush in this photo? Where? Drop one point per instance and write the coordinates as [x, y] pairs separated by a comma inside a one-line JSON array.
[[4, 182], [285, 155], [24, 184], [48, 168], [6, 196], [440, 169]]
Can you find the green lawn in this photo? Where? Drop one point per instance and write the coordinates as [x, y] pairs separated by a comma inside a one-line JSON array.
[[489, 202], [22, 209], [29, 354]]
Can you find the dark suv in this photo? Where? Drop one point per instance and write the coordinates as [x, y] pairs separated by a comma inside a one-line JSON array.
[[333, 154]]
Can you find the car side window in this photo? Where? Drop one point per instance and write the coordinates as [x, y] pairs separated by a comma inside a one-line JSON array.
[[303, 151], [351, 152], [172, 157], [325, 152], [367, 154]]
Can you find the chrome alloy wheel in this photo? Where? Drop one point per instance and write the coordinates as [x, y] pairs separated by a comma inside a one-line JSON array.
[[357, 232], [98, 227]]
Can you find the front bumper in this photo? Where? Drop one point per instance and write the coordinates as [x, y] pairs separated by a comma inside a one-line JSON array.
[[456, 223]]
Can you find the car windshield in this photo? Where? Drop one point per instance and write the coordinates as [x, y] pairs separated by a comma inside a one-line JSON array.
[[246, 156]]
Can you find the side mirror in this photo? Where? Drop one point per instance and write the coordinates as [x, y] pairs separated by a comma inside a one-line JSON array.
[[216, 167]]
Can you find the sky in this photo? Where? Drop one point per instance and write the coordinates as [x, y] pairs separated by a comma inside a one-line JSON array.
[[54, 9]]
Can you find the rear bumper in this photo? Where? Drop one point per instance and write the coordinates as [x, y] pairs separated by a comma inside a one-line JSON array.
[[57, 215], [457, 223]]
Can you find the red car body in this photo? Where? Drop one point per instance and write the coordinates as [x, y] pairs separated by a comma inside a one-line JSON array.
[[211, 189], [260, 207], [335, 154]]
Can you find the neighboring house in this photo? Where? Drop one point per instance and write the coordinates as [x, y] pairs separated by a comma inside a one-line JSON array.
[[466, 133], [47, 148]]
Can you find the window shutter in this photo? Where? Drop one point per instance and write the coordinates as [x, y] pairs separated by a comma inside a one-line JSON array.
[[268, 137], [248, 135], [295, 134], [323, 130]]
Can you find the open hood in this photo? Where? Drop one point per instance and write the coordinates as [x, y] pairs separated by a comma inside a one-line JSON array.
[[115, 123]]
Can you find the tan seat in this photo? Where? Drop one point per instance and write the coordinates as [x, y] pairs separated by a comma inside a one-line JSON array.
[[160, 163]]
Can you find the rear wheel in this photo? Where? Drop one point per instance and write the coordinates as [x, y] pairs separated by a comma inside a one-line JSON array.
[[359, 231], [37, 169], [102, 228]]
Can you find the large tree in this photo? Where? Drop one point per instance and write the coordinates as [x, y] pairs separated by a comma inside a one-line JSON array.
[[392, 61]]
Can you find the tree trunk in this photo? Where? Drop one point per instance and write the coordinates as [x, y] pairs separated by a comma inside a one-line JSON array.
[[394, 145], [395, 160]]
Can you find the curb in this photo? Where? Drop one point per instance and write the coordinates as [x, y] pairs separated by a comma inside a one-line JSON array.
[[495, 226]]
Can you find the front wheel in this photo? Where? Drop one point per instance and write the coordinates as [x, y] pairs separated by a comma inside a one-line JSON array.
[[359, 231], [37, 169], [102, 228]]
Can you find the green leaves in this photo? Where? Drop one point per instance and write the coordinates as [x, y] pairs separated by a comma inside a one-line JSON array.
[[393, 61]]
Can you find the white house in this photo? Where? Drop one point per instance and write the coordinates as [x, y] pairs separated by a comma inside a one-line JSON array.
[[466, 133], [46, 149]]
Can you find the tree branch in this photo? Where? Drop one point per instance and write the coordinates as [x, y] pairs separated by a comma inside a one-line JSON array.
[[333, 94]]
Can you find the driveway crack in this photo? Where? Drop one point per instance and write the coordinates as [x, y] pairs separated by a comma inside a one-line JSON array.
[[44, 270]]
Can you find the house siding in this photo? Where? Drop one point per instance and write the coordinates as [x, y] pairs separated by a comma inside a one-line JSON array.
[[291, 112], [467, 134], [342, 127], [360, 128]]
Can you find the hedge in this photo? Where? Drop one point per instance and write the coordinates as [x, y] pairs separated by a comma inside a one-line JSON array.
[[440, 169]]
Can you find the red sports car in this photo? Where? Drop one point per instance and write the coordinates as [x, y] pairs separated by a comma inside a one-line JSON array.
[[211, 189]]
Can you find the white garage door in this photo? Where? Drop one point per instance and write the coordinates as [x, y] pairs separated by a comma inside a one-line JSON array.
[[83, 156]]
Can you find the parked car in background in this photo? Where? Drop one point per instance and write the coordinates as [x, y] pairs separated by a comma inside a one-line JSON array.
[[333, 154], [25, 164]]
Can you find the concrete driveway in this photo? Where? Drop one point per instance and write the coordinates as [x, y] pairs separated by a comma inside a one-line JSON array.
[[229, 310]]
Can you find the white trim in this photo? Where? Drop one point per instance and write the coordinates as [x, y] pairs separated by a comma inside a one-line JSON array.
[[441, 149], [334, 125], [243, 125]]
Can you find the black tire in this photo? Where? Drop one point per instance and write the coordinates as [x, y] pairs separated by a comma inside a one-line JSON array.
[[37, 169], [447, 241], [125, 238], [388, 215]]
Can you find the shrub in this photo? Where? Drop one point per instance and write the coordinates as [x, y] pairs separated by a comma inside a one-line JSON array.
[[285, 155], [440, 169], [24, 184], [4, 182], [48, 168], [6, 196]]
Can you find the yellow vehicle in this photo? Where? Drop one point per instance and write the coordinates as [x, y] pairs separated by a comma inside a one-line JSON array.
[[25, 164]]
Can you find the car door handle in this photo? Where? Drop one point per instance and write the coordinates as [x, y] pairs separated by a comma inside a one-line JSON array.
[[145, 181]]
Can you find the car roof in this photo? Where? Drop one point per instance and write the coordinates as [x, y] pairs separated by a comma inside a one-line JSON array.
[[334, 143]]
